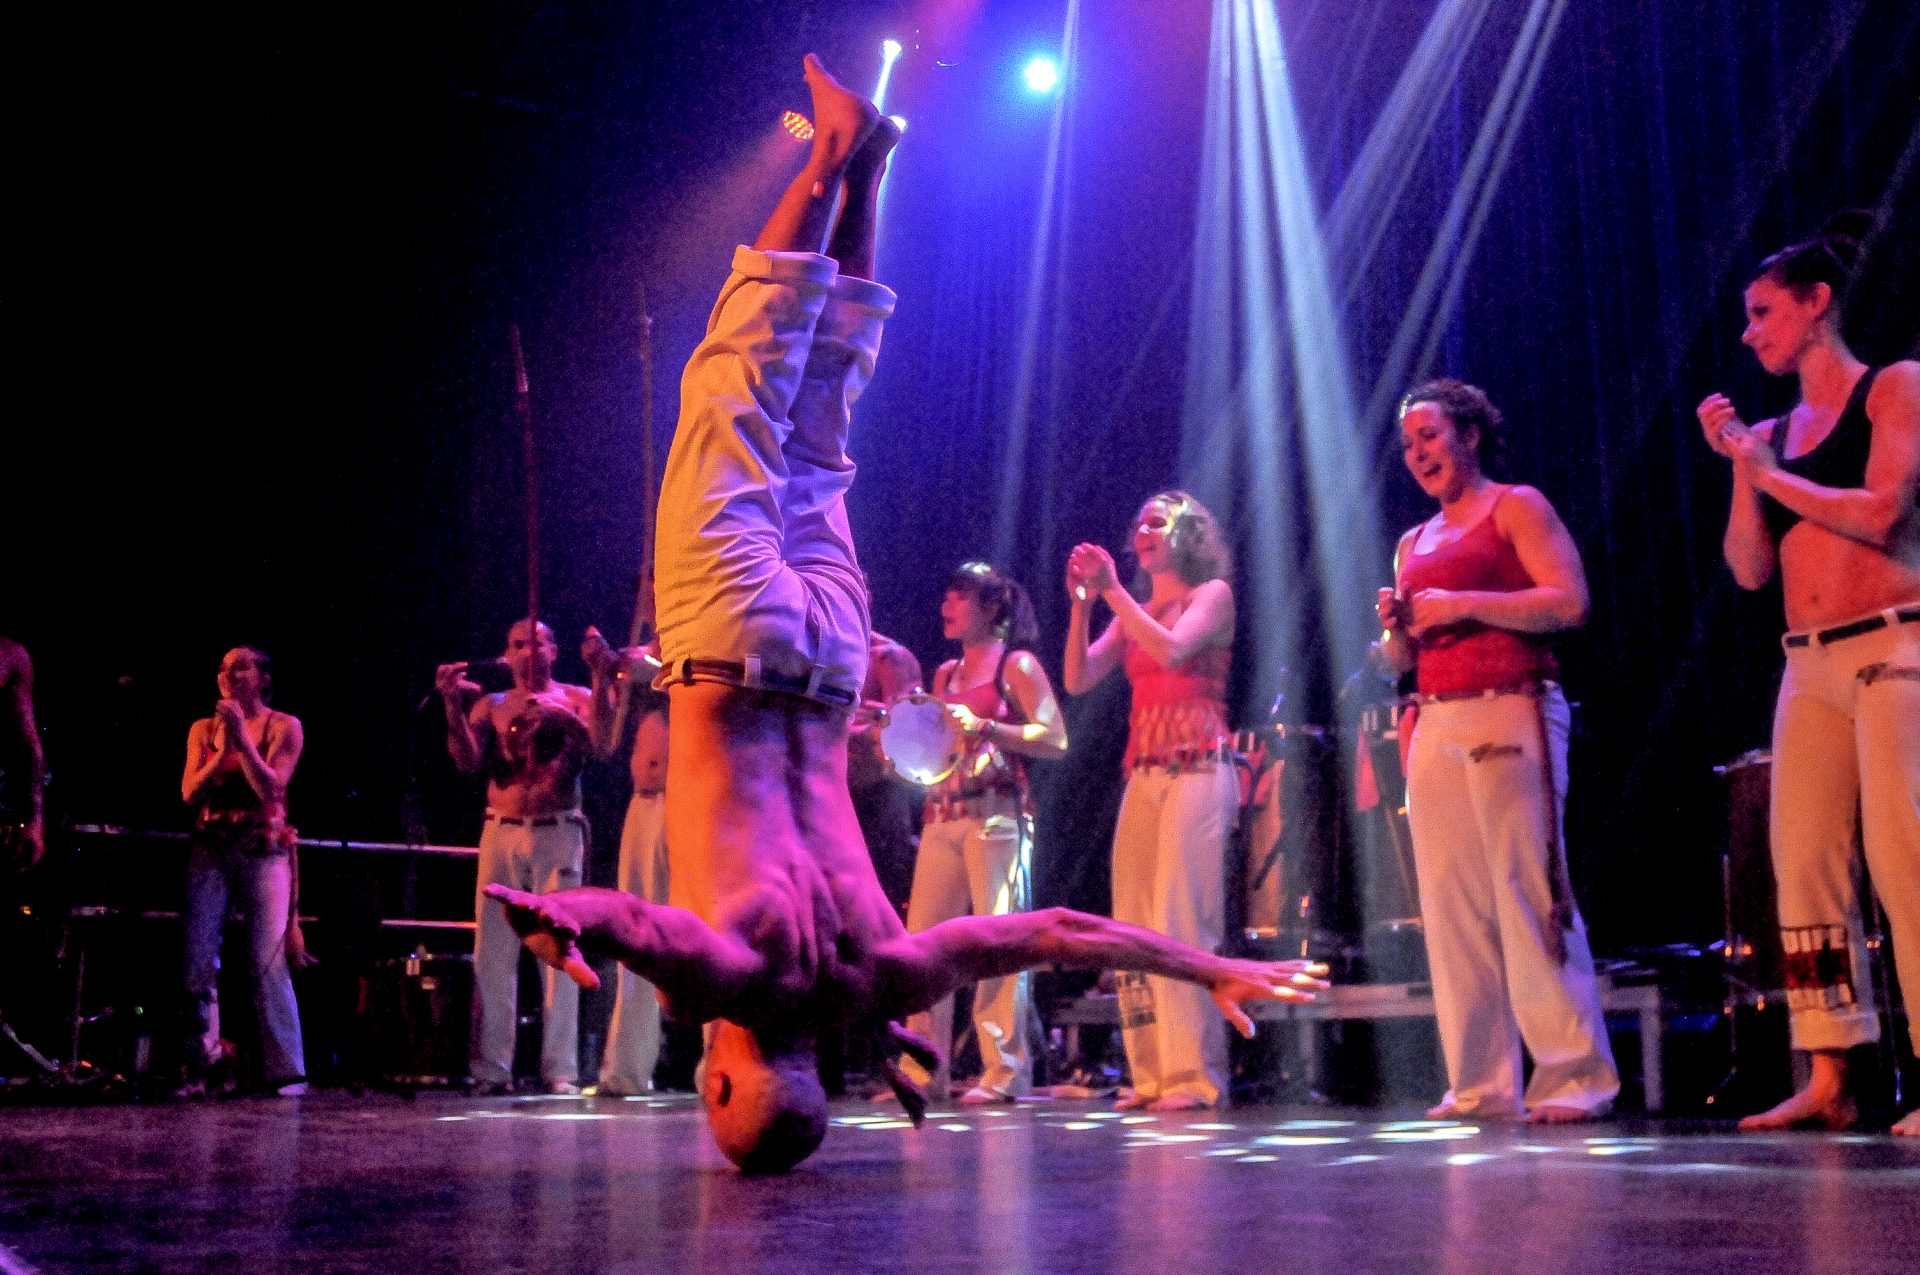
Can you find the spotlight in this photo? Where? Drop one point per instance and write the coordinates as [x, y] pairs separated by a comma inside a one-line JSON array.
[[899, 122], [890, 49], [1042, 75], [797, 124]]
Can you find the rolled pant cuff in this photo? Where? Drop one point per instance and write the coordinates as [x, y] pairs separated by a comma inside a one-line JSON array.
[[785, 267], [1829, 1031]]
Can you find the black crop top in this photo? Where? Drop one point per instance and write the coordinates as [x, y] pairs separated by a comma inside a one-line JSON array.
[[1839, 461]]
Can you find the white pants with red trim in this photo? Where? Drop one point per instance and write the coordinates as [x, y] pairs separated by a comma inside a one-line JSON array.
[[1169, 875], [755, 558], [1505, 970], [1846, 762]]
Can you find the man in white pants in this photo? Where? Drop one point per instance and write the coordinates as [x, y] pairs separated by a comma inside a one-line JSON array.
[[764, 633]]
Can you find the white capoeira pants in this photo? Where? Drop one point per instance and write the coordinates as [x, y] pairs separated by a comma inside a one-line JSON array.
[[1507, 947], [537, 857], [1169, 874], [633, 1037], [756, 563], [978, 867], [1846, 760]]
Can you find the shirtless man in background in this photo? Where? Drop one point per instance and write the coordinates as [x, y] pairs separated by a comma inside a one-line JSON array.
[[533, 741]]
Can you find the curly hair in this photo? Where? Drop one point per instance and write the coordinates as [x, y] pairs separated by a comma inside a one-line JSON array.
[[1194, 541], [1003, 598], [1831, 256], [1468, 407]]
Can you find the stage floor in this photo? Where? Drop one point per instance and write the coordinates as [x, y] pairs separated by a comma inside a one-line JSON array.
[[396, 1186]]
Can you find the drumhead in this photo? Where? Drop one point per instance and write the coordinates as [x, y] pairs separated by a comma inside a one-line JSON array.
[[918, 741]]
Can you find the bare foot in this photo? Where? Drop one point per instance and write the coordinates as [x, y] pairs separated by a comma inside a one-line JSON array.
[[1908, 1126], [1133, 1101], [1815, 1107], [1179, 1102], [549, 929], [1555, 1113], [842, 120], [1445, 1111]]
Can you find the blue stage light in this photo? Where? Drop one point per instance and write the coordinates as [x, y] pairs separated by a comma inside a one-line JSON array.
[[890, 49], [1042, 75]]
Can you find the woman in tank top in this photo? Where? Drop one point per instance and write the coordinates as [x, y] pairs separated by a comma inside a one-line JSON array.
[[239, 763], [1182, 794], [1479, 588], [977, 840], [1825, 495]]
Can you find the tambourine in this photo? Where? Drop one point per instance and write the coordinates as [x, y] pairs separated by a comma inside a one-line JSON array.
[[919, 741]]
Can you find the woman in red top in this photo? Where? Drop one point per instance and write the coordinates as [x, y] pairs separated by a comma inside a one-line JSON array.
[[977, 839], [1169, 847], [1478, 589]]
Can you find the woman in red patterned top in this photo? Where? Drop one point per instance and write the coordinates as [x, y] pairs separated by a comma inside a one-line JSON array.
[[1478, 589], [1170, 845], [977, 840]]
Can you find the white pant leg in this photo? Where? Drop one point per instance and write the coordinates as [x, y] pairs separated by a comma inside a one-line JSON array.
[[998, 876], [633, 1037], [266, 885], [1550, 980], [1136, 851], [558, 851], [1196, 818], [723, 588], [1478, 1038], [939, 894], [1816, 868], [505, 855], [818, 540], [206, 917], [1887, 733]]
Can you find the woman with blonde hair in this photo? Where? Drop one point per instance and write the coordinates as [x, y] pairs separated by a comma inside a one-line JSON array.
[[1169, 848]]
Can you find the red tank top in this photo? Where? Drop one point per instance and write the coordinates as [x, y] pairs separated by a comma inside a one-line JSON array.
[[1472, 656], [1178, 713]]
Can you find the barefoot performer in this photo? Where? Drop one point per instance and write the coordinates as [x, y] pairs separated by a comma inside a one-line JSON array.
[[763, 617], [1826, 496], [1479, 590]]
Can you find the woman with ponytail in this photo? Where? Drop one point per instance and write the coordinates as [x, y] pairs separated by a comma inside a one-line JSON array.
[[1825, 495]]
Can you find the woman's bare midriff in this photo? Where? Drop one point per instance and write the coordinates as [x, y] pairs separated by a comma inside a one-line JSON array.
[[1828, 579]]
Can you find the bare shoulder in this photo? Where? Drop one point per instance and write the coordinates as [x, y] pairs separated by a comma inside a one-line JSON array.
[[1218, 592], [1026, 665], [1524, 509], [1895, 396]]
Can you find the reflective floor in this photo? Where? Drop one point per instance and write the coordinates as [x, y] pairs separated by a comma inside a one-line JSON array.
[[442, 1183]]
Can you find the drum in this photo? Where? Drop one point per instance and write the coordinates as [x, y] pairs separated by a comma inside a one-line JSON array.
[[919, 741], [1390, 893], [1753, 916], [420, 1013]]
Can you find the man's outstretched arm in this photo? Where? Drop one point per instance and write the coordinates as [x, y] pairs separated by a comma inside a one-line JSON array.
[[918, 969], [700, 972]]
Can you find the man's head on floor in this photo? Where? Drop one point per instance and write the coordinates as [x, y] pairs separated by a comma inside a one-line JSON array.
[[764, 1100]]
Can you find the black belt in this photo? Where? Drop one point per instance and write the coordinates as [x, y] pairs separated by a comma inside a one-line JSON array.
[[752, 676], [537, 821], [1841, 632]]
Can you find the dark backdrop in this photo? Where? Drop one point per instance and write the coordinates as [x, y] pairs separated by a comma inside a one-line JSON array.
[[260, 374]]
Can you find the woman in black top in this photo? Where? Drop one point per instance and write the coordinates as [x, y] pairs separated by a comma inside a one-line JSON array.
[[1826, 496]]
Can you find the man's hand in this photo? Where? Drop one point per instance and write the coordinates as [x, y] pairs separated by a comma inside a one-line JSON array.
[[1236, 982], [452, 683], [548, 931], [598, 654]]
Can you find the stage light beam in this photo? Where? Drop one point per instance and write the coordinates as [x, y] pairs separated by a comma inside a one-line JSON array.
[[890, 51], [1042, 75]]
